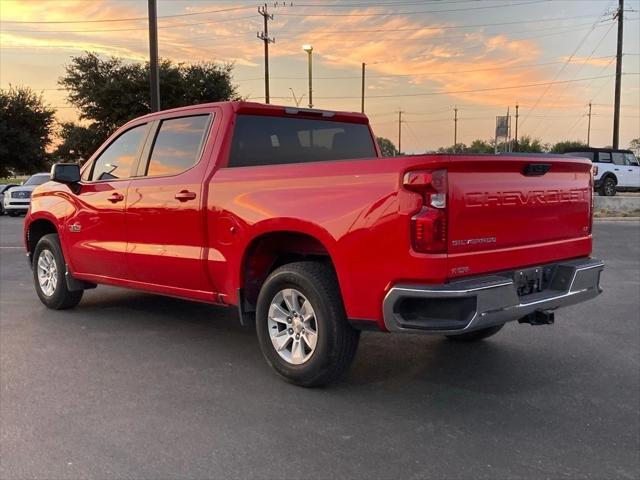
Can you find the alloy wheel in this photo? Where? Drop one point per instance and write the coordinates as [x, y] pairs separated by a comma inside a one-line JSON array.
[[47, 272], [292, 326]]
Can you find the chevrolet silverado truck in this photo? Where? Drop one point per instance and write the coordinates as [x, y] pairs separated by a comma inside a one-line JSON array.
[[293, 217]]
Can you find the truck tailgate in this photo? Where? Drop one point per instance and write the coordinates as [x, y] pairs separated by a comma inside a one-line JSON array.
[[512, 211]]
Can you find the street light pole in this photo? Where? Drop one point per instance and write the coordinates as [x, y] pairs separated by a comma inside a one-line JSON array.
[[154, 76], [309, 50]]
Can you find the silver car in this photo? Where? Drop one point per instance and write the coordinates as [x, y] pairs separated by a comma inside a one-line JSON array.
[[4, 188], [16, 199]]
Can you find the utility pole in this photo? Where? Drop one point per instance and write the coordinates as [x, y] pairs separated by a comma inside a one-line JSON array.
[[455, 129], [264, 36], [616, 107], [589, 127], [154, 76], [400, 112], [362, 105], [515, 149]]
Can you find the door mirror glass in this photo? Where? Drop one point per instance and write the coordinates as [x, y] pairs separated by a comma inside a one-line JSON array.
[[65, 173]]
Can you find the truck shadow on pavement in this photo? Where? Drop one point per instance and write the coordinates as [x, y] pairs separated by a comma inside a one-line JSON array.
[[402, 364]]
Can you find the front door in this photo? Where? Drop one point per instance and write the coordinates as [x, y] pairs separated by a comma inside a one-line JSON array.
[[96, 229], [165, 220], [633, 170]]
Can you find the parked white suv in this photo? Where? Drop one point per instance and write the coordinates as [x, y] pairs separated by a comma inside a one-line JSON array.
[[616, 170], [16, 199]]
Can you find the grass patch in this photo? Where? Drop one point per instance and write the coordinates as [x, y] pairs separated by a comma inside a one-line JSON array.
[[608, 213]]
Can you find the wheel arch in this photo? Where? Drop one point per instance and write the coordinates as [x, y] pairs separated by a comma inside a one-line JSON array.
[[270, 250], [35, 230], [609, 175]]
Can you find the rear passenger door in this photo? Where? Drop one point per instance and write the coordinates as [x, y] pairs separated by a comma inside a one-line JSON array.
[[164, 211]]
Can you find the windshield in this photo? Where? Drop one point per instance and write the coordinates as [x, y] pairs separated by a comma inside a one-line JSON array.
[[37, 179]]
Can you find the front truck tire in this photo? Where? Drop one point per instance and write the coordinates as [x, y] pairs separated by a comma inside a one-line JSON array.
[[476, 335], [302, 326], [49, 270]]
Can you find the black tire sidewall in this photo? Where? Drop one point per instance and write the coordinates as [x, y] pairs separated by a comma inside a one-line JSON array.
[[61, 296], [325, 322], [608, 181]]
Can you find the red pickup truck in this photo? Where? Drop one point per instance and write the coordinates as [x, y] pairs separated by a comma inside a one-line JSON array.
[[293, 217]]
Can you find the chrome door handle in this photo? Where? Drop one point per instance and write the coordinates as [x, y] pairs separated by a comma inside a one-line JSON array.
[[185, 195], [115, 198]]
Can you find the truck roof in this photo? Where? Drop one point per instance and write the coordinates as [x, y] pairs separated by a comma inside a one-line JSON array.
[[256, 108]]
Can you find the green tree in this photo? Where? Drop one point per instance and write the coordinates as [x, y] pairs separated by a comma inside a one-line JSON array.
[[480, 146], [634, 146], [529, 145], [567, 146], [457, 148], [78, 142], [387, 147], [109, 92], [26, 126]]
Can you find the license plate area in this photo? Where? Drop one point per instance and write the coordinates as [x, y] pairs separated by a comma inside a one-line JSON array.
[[533, 280]]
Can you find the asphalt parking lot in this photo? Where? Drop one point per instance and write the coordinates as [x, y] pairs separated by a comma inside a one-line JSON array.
[[140, 386]]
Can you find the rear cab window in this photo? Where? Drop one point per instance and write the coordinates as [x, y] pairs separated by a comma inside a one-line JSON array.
[[266, 140]]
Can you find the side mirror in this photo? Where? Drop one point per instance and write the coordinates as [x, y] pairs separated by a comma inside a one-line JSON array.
[[65, 173]]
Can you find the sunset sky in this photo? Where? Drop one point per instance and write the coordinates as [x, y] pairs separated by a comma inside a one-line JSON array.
[[424, 57]]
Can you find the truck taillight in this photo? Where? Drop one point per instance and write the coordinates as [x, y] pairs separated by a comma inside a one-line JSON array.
[[594, 170], [429, 225]]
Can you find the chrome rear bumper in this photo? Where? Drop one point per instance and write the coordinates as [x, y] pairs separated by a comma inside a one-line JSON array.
[[473, 304]]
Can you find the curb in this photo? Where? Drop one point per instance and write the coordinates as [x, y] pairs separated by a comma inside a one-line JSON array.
[[616, 219]]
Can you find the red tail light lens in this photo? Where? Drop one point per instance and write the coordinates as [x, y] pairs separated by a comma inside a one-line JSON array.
[[429, 226]]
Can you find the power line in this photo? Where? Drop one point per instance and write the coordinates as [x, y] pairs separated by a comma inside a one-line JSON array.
[[412, 75], [379, 14], [378, 30], [580, 43], [559, 94], [555, 31], [448, 27], [177, 25], [453, 92], [132, 19], [380, 4]]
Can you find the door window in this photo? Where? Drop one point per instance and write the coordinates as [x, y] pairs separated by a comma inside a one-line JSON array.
[[630, 159], [178, 144], [618, 158], [118, 159], [604, 157]]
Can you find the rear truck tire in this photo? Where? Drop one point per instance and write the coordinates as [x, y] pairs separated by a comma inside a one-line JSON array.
[[49, 270], [608, 187], [476, 335], [302, 326]]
